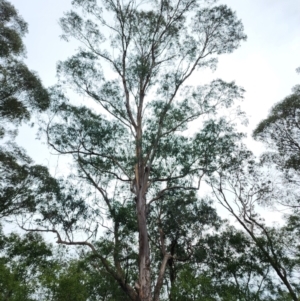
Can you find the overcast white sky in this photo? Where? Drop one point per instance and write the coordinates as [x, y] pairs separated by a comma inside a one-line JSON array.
[[264, 65]]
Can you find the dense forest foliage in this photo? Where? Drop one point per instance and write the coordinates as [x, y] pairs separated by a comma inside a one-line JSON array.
[[129, 217]]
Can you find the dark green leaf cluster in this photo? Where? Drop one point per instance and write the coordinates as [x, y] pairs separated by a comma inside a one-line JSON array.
[[280, 131], [22, 260], [12, 29], [21, 90], [23, 185]]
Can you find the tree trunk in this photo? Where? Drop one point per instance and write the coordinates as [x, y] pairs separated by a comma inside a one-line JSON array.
[[141, 182], [144, 285]]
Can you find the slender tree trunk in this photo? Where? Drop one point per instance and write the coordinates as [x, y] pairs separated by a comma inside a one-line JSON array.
[[141, 182], [144, 250]]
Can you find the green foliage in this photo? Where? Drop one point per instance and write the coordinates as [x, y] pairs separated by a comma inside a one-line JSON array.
[[21, 90], [280, 131], [32, 270], [22, 260], [22, 184], [13, 28], [140, 154]]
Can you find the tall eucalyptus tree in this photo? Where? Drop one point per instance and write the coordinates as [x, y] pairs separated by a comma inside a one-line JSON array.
[[133, 144]]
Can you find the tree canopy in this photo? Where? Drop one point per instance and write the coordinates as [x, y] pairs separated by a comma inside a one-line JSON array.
[[280, 131], [21, 89], [143, 141]]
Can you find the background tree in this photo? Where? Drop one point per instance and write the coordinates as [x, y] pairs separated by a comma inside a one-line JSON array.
[[21, 90], [226, 266], [32, 269], [243, 188], [22, 260], [79, 278], [23, 185], [280, 131], [21, 93]]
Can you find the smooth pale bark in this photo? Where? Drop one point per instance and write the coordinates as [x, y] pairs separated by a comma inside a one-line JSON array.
[[141, 183], [144, 251]]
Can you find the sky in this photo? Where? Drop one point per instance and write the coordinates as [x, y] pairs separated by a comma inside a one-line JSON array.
[[264, 65]]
